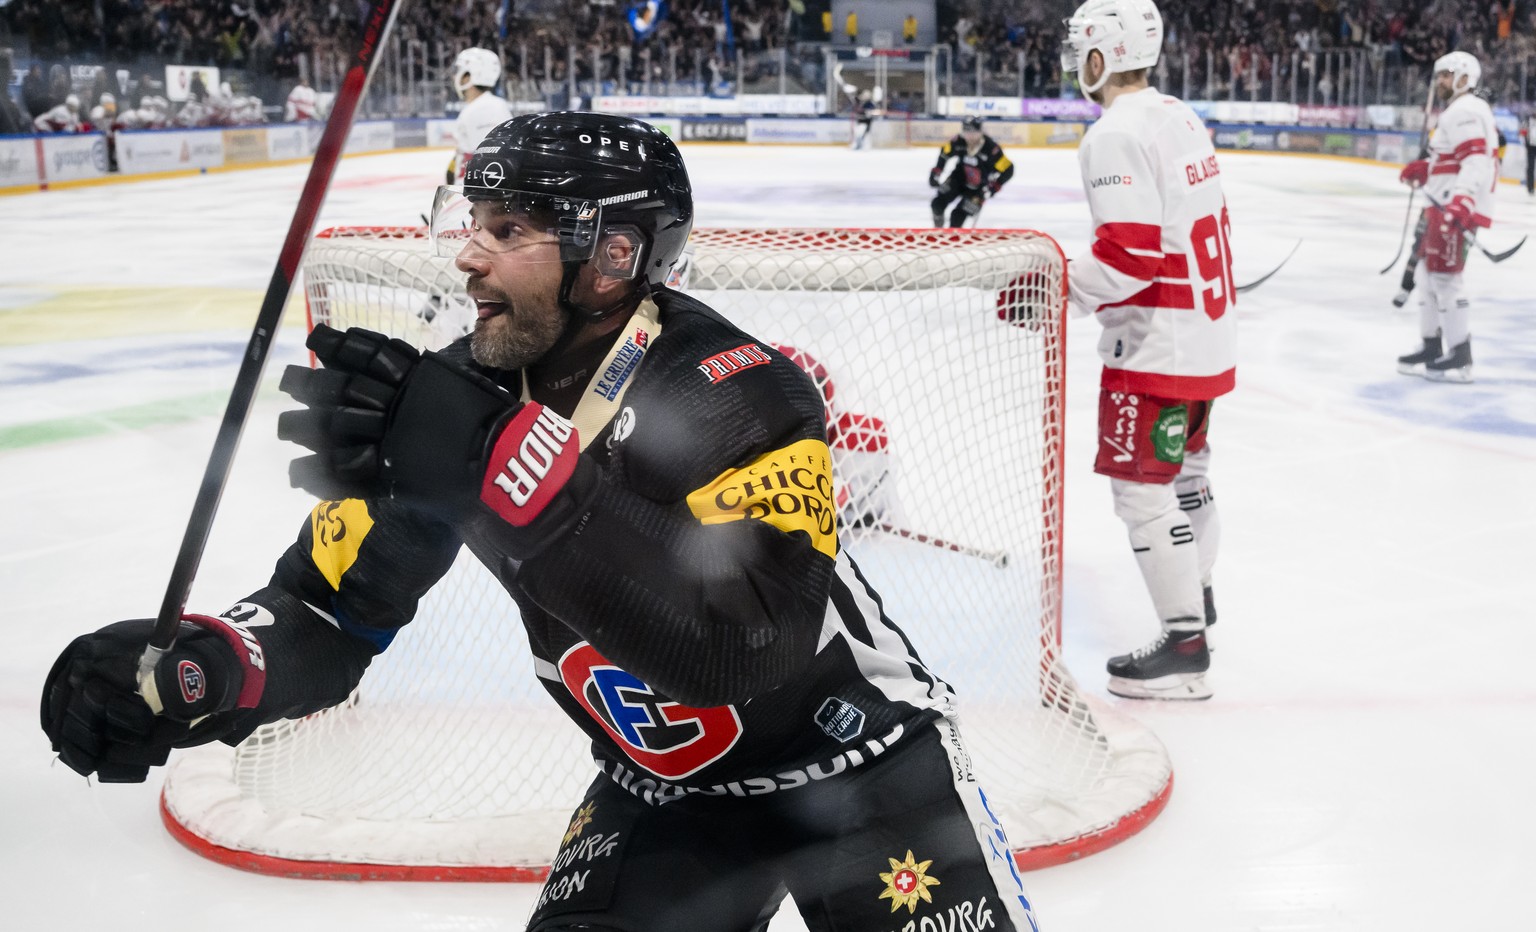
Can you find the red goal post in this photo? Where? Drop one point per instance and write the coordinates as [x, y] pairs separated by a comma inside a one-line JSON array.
[[946, 426]]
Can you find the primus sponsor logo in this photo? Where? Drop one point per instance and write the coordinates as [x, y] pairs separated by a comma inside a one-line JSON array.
[[724, 365], [656, 792]]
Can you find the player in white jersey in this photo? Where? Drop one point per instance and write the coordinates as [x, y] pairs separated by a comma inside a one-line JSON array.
[[1458, 178], [302, 103], [476, 72], [1159, 280], [1528, 139]]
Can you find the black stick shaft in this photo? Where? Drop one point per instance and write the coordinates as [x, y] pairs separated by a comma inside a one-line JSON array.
[[216, 476]]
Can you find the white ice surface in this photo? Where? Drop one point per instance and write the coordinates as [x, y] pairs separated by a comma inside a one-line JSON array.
[[1365, 764]]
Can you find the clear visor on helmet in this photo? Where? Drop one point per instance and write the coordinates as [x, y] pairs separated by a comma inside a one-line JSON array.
[[1071, 46], [561, 228]]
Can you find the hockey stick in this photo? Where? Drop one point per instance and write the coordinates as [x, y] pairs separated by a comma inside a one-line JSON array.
[[998, 558], [1472, 236], [216, 476], [1403, 240], [1266, 277], [1429, 104]]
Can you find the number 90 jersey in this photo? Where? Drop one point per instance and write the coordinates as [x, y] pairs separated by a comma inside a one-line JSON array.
[[1159, 274]]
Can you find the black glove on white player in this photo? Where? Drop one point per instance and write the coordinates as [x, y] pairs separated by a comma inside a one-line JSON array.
[[98, 722], [384, 420]]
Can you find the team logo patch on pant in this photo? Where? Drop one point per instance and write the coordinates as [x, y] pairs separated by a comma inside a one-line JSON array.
[[907, 883], [1169, 432]]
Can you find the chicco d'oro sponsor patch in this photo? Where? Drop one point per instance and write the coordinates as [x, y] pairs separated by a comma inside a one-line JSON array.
[[789, 488]]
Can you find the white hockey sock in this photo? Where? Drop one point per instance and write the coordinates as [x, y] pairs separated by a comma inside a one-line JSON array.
[[1193, 488], [1455, 310], [1164, 543], [1429, 306]]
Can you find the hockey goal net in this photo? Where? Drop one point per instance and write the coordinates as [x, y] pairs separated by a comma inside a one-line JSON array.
[[945, 423]]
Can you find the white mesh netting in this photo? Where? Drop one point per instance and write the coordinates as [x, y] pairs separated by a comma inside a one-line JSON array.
[[945, 426]]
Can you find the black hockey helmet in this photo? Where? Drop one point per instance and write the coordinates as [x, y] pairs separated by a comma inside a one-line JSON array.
[[972, 124], [591, 174]]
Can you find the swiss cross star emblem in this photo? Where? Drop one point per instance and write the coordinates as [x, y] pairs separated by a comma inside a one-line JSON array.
[[908, 882]]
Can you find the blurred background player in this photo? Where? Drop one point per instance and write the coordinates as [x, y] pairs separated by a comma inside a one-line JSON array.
[[1159, 279], [64, 118], [1458, 178], [1405, 287], [302, 103], [866, 109], [1528, 139], [981, 172], [476, 72]]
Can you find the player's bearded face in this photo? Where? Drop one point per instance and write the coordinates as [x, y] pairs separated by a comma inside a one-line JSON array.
[[516, 296], [1445, 85]]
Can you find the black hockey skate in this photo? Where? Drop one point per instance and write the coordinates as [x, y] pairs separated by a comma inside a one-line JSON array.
[[1414, 363], [1455, 366], [1171, 667]]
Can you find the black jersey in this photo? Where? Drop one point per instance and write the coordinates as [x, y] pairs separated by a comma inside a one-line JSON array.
[[700, 622], [987, 167]]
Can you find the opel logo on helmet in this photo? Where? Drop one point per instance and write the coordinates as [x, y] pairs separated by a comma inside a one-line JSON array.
[[493, 175]]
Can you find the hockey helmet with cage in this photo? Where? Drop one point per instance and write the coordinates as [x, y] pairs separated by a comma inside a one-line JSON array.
[[1127, 33], [589, 177], [1460, 65], [971, 124], [475, 68]]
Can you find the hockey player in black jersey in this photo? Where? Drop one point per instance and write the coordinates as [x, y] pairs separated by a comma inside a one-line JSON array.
[[652, 486], [980, 173]]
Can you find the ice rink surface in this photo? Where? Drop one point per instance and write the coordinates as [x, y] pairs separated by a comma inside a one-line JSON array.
[[1365, 763]]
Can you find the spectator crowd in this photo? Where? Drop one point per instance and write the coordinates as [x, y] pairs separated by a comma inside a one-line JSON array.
[[1216, 48]]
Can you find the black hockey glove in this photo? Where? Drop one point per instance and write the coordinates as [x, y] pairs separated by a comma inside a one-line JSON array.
[[98, 722], [384, 420], [933, 178]]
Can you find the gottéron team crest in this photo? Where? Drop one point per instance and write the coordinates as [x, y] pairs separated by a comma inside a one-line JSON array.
[[907, 883], [581, 820]]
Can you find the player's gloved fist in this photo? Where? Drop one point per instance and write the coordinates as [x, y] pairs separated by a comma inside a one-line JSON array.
[[386, 421], [1462, 211], [1415, 172], [933, 178], [97, 720], [993, 187]]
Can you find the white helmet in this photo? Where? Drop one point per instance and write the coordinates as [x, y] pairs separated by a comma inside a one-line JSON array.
[[475, 68], [1460, 64], [72, 102], [1128, 33]]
